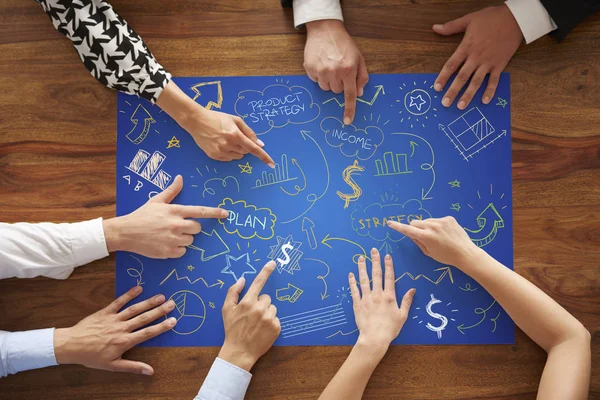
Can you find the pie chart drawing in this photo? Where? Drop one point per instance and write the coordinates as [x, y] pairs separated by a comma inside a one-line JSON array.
[[189, 311]]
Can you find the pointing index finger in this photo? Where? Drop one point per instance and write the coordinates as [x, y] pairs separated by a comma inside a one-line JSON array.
[[203, 212], [260, 280], [349, 99], [256, 150]]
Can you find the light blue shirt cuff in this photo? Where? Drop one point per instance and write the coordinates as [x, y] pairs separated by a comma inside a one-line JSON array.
[[224, 381], [21, 351]]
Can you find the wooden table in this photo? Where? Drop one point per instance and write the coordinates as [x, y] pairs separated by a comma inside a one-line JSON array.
[[57, 163]]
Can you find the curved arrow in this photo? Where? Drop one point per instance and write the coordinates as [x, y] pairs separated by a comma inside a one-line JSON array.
[[424, 166], [364, 253], [297, 187], [324, 295], [495, 222], [210, 103], [478, 311], [412, 147], [312, 198], [140, 113]]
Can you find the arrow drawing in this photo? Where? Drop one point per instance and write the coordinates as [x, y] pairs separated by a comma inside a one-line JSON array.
[[447, 271], [478, 311], [354, 257], [219, 282], [324, 295], [290, 293], [308, 227], [358, 99], [211, 241], [210, 104], [412, 147], [489, 221], [140, 113], [425, 166], [297, 187]]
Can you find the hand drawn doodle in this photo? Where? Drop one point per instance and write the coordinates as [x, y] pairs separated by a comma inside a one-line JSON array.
[[137, 135], [218, 283], [392, 164], [238, 267], [136, 272], [312, 321], [245, 168], [454, 184], [148, 167], [355, 257], [353, 169], [174, 142], [426, 166], [189, 311], [488, 221], [212, 241], [290, 293], [439, 327], [455, 207], [479, 311], [247, 220], [324, 294], [308, 226], [280, 174], [417, 104], [286, 254], [501, 102], [210, 104], [379, 88], [352, 141]]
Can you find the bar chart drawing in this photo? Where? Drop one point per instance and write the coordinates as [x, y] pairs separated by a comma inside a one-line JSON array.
[[148, 167], [392, 164], [280, 174]]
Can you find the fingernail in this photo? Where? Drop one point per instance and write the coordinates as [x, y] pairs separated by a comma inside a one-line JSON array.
[[346, 120], [461, 105], [147, 371], [224, 214], [260, 142], [413, 290], [373, 250], [388, 257], [361, 258], [389, 223], [438, 26], [170, 304], [159, 299], [171, 321], [360, 92], [241, 281], [271, 264], [486, 100], [437, 87], [272, 165], [446, 102], [138, 289]]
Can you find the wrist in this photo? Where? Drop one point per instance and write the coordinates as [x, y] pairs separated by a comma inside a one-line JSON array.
[[113, 234], [179, 105], [324, 25], [470, 259], [61, 346], [372, 350], [237, 357]]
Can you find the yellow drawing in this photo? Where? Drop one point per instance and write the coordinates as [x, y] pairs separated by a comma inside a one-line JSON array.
[[455, 206], [296, 187], [219, 282], [308, 227], [454, 184], [388, 166], [355, 257], [467, 288], [213, 241], [210, 104], [223, 181], [342, 333], [312, 198], [445, 271], [190, 268], [424, 166], [140, 113], [380, 89], [478, 311], [174, 142], [490, 220], [135, 272], [501, 102], [324, 295], [245, 168], [356, 190], [413, 146], [189, 311], [280, 174], [251, 221], [290, 293]]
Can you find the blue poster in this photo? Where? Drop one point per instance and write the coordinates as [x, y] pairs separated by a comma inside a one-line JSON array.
[[325, 203]]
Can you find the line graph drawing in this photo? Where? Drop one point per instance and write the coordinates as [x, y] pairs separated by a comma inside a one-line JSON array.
[[189, 311], [148, 166], [342, 333], [312, 321], [219, 282], [380, 89]]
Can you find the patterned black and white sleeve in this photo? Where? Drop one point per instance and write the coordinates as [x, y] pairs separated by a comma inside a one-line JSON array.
[[108, 47]]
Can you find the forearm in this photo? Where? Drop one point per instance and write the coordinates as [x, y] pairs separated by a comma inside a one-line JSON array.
[[51, 250], [352, 378], [224, 381], [536, 313], [180, 106], [22, 351]]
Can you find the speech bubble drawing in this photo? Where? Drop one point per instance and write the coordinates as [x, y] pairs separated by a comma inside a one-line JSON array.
[[247, 220], [352, 141], [276, 106], [372, 220]]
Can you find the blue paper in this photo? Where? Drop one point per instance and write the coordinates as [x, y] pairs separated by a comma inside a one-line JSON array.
[[404, 157]]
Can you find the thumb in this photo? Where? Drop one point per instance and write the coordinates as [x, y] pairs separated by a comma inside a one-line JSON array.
[[407, 302], [453, 27], [134, 367], [167, 195], [233, 293]]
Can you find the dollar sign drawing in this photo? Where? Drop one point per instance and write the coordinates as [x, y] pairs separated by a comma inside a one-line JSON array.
[[347, 176], [285, 247], [437, 329]]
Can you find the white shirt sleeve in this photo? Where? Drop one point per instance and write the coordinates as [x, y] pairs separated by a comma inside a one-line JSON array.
[[315, 10], [224, 381], [51, 250], [533, 19], [20, 351]]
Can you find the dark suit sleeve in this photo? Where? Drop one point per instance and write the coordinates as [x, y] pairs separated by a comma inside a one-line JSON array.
[[568, 13]]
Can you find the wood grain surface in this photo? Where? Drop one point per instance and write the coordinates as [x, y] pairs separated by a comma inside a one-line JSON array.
[[57, 163]]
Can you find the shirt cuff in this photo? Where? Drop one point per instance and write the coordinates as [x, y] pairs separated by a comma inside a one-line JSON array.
[[29, 350], [87, 241], [225, 381], [533, 19], [315, 10]]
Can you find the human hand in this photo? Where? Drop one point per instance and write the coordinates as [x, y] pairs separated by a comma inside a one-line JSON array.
[[378, 317], [158, 229], [492, 36], [332, 59], [442, 239], [251, 325], [100, 340]]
